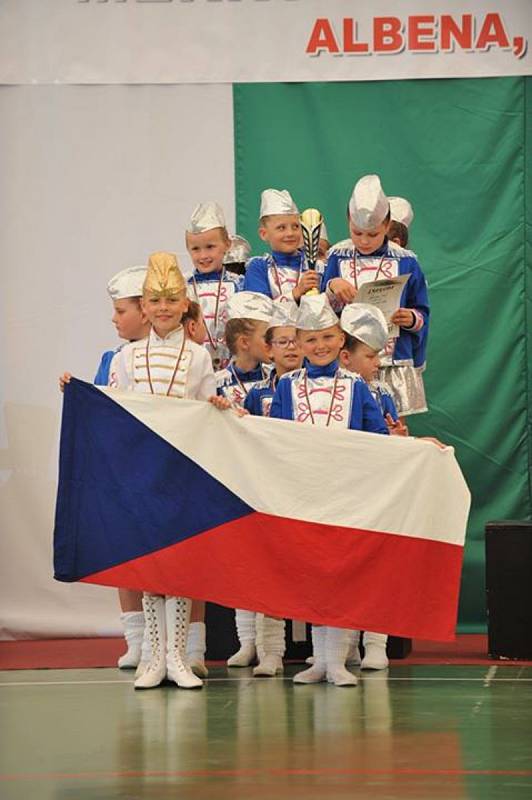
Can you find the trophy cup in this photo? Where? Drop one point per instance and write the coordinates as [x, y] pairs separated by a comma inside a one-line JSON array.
[[311, 222]]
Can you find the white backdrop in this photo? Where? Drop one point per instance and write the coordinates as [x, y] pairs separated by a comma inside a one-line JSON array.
[[94, 178]]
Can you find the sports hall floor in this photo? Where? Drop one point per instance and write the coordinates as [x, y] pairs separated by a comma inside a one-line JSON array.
[[421, 729]]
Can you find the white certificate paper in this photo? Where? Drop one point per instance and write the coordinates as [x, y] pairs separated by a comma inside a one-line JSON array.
[[386, 295]]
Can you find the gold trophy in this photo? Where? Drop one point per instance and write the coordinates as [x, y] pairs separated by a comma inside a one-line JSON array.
[[311, 222]]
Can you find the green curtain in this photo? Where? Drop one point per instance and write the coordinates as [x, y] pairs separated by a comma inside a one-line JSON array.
[[457, 149]]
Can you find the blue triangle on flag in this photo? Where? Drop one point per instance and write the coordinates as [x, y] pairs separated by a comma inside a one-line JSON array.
[[124, 491]]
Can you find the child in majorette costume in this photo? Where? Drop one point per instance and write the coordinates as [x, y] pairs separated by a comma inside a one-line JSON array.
[[282, 274], [322, 393], [369, 256], [165, 363], [283, 350], [401, 217], [237, 256], [131, 323], [211, 285], [248, 314]]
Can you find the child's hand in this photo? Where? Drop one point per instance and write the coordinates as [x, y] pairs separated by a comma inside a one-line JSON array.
[[434, 441], [343, 290], [403, 317], [308, 280], [223, 404], [396, 427], [64, 378]]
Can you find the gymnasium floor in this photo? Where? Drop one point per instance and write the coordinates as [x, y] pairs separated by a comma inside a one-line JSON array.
[[416, 731]]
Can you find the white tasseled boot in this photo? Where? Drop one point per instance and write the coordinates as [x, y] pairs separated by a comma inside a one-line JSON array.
[[145, 653], [133, 622], [375, 656], [196, 646], [177, 623], [336, 647], [154, 615], [272, 647], [318, 671], [353, 654], [245, 628]]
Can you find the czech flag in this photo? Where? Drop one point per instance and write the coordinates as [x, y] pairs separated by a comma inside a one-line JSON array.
[[336, 527]]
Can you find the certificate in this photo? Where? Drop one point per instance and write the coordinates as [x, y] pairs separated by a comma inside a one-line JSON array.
[[386, 295]]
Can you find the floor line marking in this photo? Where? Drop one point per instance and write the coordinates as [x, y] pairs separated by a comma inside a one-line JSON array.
[[373, 679], [490, 676], [254, 773]]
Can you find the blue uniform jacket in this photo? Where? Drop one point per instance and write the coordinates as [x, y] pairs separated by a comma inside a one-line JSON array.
[[365, 414], [411, 343]]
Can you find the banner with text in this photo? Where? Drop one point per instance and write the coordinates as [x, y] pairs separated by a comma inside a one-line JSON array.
[[248, 41]]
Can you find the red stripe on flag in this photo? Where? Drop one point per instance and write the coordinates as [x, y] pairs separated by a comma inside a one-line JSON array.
[[325, 574]]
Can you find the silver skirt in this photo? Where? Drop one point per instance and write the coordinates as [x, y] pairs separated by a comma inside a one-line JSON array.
[[405, 383]]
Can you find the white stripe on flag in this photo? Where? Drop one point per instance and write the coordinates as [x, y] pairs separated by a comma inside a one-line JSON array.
[[347, 478]]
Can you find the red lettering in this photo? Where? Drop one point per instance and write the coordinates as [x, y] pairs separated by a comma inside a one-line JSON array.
[[451, 32], [387, 35], [322, 38], [492, 33], [350, 38], [418, 33]]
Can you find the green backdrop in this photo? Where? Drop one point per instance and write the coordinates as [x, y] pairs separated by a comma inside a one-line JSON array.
[[457, 149]]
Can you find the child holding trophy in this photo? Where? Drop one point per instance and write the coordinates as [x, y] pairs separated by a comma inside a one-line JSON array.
[[283, 274]]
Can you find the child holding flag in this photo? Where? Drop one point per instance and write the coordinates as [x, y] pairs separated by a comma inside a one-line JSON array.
[[282, 274], [131, 323], [248, 314], [165, 363], [322, 393]]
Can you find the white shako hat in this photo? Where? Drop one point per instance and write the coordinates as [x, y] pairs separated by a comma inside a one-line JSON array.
[[205, 217], [368, 205], [315, 313], [323, 232], [249, 305], [365, 322], [239, 250], [401, 211], [276, 201], [284, 315], [127, 283]]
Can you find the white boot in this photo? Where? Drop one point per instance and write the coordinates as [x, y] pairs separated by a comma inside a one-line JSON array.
[[353, 654], [336, 647], [375, 651], [133, 622], [145, 653], [155, 671], [245, 628], [272, 647], [318, 671], [196, 646], [177, 622]]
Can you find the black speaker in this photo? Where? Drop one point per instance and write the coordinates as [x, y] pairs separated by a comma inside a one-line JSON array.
[[509, 589]]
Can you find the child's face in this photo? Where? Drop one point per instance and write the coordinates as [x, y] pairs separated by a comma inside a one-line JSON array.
[[129, 319], [196, 330], [363, 360], [282, 232], [165, 313], [253, 344], [207, 250], [321, 347], [284, 349], [367, 242]]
